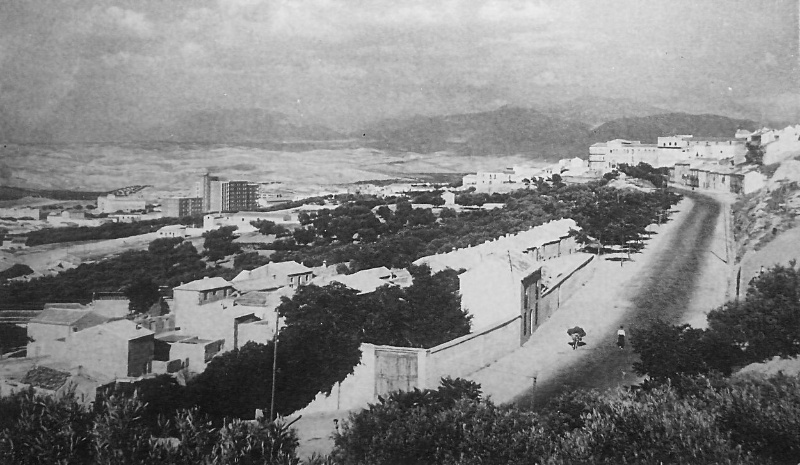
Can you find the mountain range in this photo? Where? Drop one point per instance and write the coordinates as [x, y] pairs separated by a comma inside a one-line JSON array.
[[550, 132]]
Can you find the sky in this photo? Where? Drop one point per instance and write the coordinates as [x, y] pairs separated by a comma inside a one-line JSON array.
[[89, 66]]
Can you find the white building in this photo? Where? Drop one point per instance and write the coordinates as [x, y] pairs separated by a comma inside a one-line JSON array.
[[112, 203]]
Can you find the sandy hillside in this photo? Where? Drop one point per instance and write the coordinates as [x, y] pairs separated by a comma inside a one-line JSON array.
[[173, 169]]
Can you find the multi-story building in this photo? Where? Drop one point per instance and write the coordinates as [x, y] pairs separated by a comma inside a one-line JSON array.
[[182, 206], [238, 195], [226, 196], [605, 156], [203, 190]]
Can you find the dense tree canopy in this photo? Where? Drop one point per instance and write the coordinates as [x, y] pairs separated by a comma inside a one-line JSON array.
[[166, 262], [36, 429], [765, 324], [93, 233], [235, 383], [426, 314], [142, 294], [384, 238], [612, 217], [660, 425], [267, 227], [219, 243]]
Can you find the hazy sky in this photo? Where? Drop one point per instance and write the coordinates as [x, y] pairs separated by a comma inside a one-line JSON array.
[[103, 63]]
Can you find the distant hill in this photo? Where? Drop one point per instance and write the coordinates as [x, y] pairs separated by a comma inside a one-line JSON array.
[[647, 129], [242, 125], [507, 131], [512, 130], [595, 111]]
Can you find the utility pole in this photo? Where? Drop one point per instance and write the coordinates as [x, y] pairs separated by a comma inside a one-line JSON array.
[[274, 367]]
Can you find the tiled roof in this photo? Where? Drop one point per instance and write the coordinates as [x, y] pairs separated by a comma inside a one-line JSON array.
[[46, 378], [205, 284], [60, 316]]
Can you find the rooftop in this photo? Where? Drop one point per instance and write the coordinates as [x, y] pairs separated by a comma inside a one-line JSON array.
[[471, 257], [123, 329], [82, 318], [272, 271], [713, 139], [46, 378], [173, 227], [205, 284]]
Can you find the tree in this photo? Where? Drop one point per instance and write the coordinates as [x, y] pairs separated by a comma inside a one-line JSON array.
[[761, 415], [448, 425], [425, 314], [655, 426], [319, 344], [42, 429], [304, 235], [142, 294], [436, 306], [667, 351], [755, 154], [236, 383], [767, 322], [219, 243], [267, 227], [38, 429]]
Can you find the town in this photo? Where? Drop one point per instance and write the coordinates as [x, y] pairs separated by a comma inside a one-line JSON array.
[[326, 232], [507, 286]]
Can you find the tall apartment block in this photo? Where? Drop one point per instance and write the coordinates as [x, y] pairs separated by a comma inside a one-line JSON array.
[[182, 206], [225, 196], [203, 190], [238, 195]]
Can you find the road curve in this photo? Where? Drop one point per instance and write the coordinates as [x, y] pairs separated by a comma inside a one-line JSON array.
[[664, 290]]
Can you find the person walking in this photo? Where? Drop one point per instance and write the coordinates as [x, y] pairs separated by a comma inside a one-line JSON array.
[[621, 337]]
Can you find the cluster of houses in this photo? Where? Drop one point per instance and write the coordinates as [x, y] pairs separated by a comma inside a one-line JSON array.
[[716, 164], [509, 285], [518, 177]]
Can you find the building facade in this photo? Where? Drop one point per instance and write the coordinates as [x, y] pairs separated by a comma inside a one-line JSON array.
[[177, 207], [238, 196]]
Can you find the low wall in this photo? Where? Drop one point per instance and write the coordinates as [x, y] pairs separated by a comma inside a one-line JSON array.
[[472, 352], [566, 286], [386, 368], [382, 369]]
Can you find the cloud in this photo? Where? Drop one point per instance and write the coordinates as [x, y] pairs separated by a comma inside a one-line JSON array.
[[547, 78], [119, 21], [517, 11], [353, 60]]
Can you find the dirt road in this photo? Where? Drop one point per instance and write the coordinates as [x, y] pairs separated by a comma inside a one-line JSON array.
[[679, 277]]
